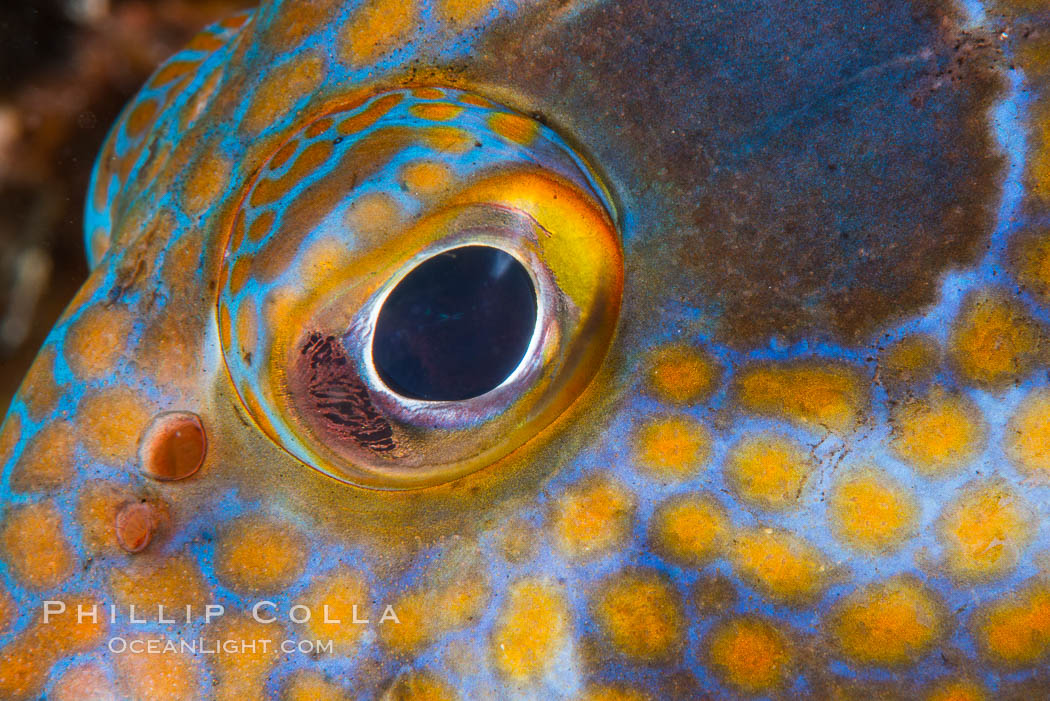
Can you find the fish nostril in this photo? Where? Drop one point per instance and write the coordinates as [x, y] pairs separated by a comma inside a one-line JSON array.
[[173, 446], [135, 524]]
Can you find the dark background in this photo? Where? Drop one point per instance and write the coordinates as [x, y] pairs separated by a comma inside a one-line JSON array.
[[67, 67]]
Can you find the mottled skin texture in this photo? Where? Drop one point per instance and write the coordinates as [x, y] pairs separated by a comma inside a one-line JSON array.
[[812, 464]]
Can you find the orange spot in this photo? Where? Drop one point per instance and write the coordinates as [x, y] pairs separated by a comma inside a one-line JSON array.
[[173, 446], [419, 686], [239, 274], [682, 374], [957, 690], [140, 118], [1015, 630], [985, 530], [256, 554], [460, 14], [751, 655], [514, 127], [614, 693], [690, 529], [85, 682], [35, 547], [1027, 439], [436, 111], [592, 518], [446, 139], [40, 390], [173, 70], [809, 393], [173, 582], [47, 461], [871, 511], [1034, 260], [913, 358], [205, 182], [378, 27], [939, 433], [993, 341], [280, 90], [10, 434], [369, 116], [338, 596], [159, 676], [97, 508], [170, 351], [783, 566], [247, 328], [888, 624], [96, 340], [261, 226], [110, 422], [241, 667], [373, 217], [426, 178], [768, 471], [531, 628], [672, 447], [641, 615]]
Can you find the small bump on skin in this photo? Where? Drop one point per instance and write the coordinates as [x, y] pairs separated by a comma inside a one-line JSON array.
[[173, 446], [682, 375], [641, 615], [671, 448], [135, 524]]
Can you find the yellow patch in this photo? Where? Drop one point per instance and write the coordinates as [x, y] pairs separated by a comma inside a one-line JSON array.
[[241, 668], [810, 393], [768, 471], [205, 182], [85, 682], [280, 90], [339, 596], [1027, 439], [531, 628], [35, 547], [165, 676], [436, 111], [957, 690], [750, 654], [10, 434], [173, 582], [672, 447], [1015, 630], [993, 341], [426, 178], [39, 390], [514, 127], [256, 554], [985, 530], [97, 507], [912, 359], [378, 27], [871, 511], [682, 374], [460, 14], [47, 462], [939, 433], [1034, 262], [373, 217], [96, 340], [419, 686], [308, 685], [782, 565], [690, 529], [110, 421], [592, 518], [888, 624], [641, 615]]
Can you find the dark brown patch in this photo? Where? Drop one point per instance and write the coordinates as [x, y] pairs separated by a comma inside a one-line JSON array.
[[335, 399]]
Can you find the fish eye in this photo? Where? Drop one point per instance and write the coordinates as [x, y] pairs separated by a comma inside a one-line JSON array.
[[456, 326], [417, 285]]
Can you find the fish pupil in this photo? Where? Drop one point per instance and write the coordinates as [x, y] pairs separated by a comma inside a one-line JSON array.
[[456, 326]]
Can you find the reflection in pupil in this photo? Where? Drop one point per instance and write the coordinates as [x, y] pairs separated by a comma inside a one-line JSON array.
[[456, 326]]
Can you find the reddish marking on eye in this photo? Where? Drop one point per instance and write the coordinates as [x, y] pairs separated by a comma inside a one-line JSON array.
[[335, 398], [135, 525], [172, 446]]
